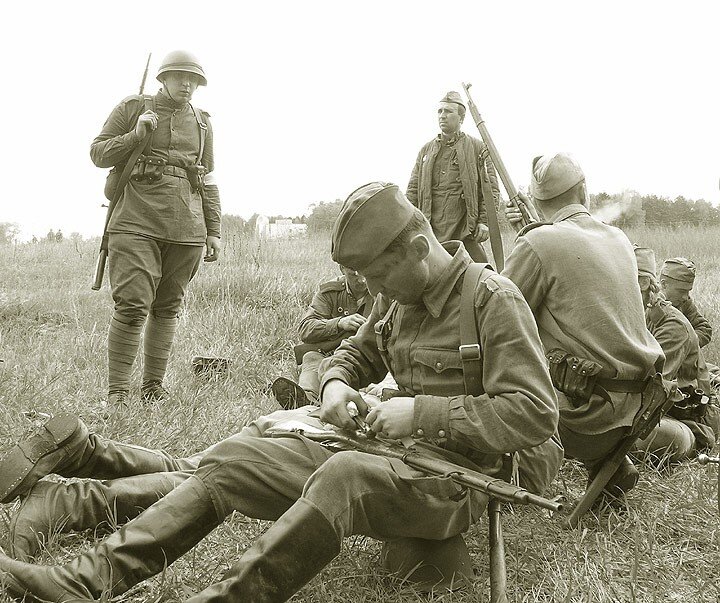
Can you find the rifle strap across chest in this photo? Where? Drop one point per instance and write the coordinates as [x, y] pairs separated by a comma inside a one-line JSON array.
[[203, 132], [470, 350]]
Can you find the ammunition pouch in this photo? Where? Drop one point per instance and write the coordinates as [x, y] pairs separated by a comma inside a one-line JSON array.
[[692, 407], [148, 169], [196, 177], [112, 181], [573, 376]]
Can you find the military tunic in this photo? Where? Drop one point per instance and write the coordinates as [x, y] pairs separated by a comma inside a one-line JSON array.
[[518, 410], [702, 325], [445, 185], [320, 325], [579, 277], [333, 301]]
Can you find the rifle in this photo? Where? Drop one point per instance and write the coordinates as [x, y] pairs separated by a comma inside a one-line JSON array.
[[527, 216], [102, 256], [704, 459], [496, 489], [655, 403]]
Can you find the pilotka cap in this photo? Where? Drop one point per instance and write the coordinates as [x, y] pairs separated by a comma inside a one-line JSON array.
[[553, 175], [452, 97], [370, 219], [645, 260], [679, 269]]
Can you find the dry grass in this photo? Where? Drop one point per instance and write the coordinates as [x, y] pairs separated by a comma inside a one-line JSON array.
[[664, 547]]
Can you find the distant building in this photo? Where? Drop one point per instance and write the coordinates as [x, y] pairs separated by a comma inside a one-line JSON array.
[[279, 229]]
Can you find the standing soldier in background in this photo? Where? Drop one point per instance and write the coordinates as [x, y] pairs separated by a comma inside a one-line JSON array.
[[452, 181], [167, 214], [677, 277], [579, 277], [338, 309]]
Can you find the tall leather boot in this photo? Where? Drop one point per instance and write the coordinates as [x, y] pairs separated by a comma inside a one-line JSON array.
[[139, 550], [51, 507], [285, 558], [65, 446]]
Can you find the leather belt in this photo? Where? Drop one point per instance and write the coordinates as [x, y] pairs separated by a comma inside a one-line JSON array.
[[628, 386], [174, 170]]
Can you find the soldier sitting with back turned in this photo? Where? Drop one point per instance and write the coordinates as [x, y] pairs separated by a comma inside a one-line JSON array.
[[338, 309], [319, 497], [692, 424], [579, 277]]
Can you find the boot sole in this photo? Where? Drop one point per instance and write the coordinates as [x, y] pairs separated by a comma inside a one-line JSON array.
[[17, 469], [288, 393]]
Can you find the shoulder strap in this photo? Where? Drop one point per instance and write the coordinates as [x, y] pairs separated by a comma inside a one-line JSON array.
[[470, 352], [203, 132]]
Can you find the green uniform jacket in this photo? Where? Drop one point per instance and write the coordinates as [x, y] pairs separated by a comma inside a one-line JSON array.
[[679, 342], [166, 210], [579, 277], [702, 325], [519, 409], [332, 301], [469, 153]]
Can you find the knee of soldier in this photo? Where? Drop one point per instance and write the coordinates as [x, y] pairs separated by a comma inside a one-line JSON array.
[[670, 442], [165, 313], [226, 456], [131, 317], [342, 474]]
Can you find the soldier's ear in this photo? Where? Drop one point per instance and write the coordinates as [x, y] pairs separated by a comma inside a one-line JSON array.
[[420, 246]]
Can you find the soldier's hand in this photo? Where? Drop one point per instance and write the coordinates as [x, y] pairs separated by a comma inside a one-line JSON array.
[[212, 245], [394, 418], [482, 232], [512, 213], [147, 121], [333, 407], [351, 323]]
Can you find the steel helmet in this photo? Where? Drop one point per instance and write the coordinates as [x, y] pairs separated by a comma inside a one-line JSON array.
[[181, 60]]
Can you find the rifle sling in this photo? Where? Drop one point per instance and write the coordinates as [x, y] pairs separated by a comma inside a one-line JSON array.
[[493, 225]]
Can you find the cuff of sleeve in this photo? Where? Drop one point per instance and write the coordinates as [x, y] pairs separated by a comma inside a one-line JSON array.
[[330, 375], [332, 326], [432, 417]]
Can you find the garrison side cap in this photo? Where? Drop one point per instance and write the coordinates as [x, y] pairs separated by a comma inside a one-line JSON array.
[[645, 261], [370, 219], [553, 175], [679, 269], [452, 97]]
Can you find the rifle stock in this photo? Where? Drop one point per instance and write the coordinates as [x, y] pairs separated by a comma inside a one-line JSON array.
[[103, 254], [512, 192]]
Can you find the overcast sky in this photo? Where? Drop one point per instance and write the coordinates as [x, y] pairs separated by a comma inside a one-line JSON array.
[[311, 99]]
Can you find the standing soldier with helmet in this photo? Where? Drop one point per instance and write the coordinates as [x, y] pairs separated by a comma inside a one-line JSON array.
[[167, 213]]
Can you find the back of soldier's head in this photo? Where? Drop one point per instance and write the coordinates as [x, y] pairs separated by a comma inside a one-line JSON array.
[[557, 179]]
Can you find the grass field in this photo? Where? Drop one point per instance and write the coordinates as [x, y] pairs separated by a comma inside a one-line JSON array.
[[664, 547]]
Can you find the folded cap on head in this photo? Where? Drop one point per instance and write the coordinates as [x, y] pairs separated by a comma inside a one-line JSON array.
[[552, 175], [370, 219], [452, 97], [679, 269], [645, 260]]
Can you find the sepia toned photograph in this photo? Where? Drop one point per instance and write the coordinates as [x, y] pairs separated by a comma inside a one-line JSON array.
[[329, 302]]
